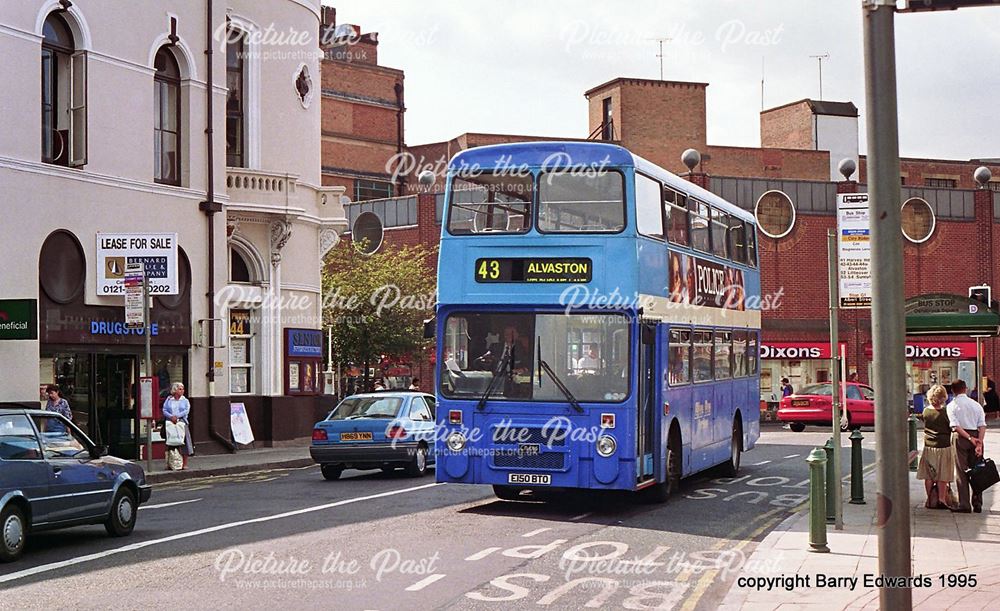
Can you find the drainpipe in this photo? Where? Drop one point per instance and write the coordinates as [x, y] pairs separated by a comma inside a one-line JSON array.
[[399, 131], [210, 208]]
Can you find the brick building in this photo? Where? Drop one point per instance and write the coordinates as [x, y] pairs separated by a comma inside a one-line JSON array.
[[951, 243]]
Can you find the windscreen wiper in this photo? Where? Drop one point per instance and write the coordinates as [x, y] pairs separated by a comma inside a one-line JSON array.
[[562, 387], [501, 366]]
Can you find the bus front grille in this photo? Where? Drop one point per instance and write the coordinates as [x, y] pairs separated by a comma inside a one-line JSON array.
[[546, 460], [514, 435]]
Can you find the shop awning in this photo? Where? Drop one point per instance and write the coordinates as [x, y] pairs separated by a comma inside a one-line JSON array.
[[944, 314]]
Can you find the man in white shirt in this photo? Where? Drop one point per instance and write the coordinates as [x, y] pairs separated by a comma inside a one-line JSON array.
[[588, 363], [968, 425]]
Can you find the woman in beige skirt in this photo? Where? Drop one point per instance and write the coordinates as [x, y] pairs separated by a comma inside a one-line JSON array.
[[937, 462]]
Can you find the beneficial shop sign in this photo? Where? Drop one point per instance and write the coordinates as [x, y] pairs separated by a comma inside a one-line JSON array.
[[854, 250], [18, 319]]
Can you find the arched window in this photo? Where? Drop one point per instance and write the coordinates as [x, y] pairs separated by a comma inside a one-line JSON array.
[[167, 118], [64, 95], [239, 269]]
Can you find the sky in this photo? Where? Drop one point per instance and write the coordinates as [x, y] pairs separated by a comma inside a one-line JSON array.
[[522, 66]]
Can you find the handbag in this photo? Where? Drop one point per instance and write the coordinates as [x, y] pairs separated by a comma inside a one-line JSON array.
[[982, 475], [175, 433]]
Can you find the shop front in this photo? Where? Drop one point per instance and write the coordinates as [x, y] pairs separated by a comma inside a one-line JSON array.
[[931, 362], [96, 362], [803, 363]]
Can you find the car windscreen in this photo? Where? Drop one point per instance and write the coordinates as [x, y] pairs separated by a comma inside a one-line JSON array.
[[366, 407], [816, 389]]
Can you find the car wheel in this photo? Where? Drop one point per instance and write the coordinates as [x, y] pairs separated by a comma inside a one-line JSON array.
[[732, 467], [13, 533], [121, 521], [331, 472], [507, 493], [797, 427], [417, 467]]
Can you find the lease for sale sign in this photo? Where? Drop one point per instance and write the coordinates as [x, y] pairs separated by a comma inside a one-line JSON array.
[[157, 252]]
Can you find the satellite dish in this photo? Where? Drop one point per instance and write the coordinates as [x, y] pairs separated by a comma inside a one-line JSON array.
[[367, 233]]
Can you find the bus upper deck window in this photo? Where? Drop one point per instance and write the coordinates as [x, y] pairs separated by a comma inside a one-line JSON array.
[[720, 223], [675, 216], [589, 202], [490, 203], [737, 240], [699, 225], [751, 236]]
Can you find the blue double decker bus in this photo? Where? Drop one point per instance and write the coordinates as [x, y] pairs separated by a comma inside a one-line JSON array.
[[597, 325]]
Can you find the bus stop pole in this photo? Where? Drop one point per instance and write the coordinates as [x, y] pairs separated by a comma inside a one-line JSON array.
[[148, 368], [888, 316], [835, 485]]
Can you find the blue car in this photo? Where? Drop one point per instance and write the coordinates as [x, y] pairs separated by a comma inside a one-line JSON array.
[[53, 476], [381, 430]]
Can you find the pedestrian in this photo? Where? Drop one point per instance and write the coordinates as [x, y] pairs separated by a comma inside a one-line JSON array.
[[415, 384], [786, 387], [177, 408], [992, 399], [853, 377], [968, 423], [379, 386], [57, 403], [937, 461]]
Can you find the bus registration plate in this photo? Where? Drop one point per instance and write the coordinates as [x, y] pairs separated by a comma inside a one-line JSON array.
[[534, 479]]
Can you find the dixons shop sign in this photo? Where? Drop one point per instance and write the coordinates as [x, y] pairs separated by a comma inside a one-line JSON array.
[[931, 351], [795, 351]]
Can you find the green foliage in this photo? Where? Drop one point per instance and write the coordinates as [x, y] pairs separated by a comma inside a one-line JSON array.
[[376, 304]]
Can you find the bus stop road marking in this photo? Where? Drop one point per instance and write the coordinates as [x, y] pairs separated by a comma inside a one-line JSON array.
[[535, 532], [45, 568], [581, 516], [162, 505], [426, 581], [483, 553], [792, 456], [757, 464]]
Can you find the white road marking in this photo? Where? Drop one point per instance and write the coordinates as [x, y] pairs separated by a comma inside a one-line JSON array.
[[426, 581], [757, 464], [581, 516], [792, 456], [483, 553], [535, 532], [161, 505], [45, 568]]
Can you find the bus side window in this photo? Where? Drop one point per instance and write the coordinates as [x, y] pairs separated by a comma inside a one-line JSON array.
[[737, 240], [720, 224], [723, 355], [675, 216], [739, 354], [702, 356], [752, 353], [751, 234], [648, 212], [699, 225], [679, 358]]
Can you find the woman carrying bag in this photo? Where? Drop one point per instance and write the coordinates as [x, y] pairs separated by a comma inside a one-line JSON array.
[[176, 409], [937, 461]]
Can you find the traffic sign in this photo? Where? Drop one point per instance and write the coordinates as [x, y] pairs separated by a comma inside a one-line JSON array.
[[855, 250]]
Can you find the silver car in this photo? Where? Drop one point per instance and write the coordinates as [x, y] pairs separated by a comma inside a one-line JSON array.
[[53, 476]]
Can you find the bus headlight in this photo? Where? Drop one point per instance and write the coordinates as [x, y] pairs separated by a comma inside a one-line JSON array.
[[455, 441], [606, 445]]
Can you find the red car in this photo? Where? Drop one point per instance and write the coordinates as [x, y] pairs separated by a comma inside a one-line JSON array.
[[813, 405]]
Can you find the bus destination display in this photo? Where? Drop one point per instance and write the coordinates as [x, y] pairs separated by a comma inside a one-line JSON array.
[[528, 269]]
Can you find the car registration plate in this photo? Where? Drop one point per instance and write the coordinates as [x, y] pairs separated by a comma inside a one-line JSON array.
[[355, 436], [533, 479], [800, 402]]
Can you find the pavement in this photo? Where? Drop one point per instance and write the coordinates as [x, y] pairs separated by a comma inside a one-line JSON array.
[[243, 461], [954, 554]]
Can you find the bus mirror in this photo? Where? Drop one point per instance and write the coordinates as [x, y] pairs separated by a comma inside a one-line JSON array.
[[648, 333], [429, 328]]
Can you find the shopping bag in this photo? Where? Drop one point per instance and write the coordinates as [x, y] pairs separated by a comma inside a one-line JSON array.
[[982, 475], [175, 433], [175, 461]]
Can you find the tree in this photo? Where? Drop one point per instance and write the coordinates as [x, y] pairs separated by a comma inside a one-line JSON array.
[[376, 304]]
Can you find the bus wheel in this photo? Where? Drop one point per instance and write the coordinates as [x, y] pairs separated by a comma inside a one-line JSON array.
[[663, 491], [797, 427], [735, 451]]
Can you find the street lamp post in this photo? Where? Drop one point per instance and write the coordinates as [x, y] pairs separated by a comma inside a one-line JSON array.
[[888, 316]]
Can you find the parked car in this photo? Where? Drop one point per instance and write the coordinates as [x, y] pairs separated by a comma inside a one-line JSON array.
[[53, 476], [383, 430], [813, 404]]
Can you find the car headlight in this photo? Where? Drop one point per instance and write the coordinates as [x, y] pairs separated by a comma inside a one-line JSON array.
[[455, 441], [606, 445]]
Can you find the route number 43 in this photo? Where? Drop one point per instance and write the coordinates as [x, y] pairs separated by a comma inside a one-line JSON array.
[[488, 269]]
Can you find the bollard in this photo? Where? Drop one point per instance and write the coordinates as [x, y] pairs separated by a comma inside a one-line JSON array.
[[817, 501], [912, 422], [831, 481], [857, 470]]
